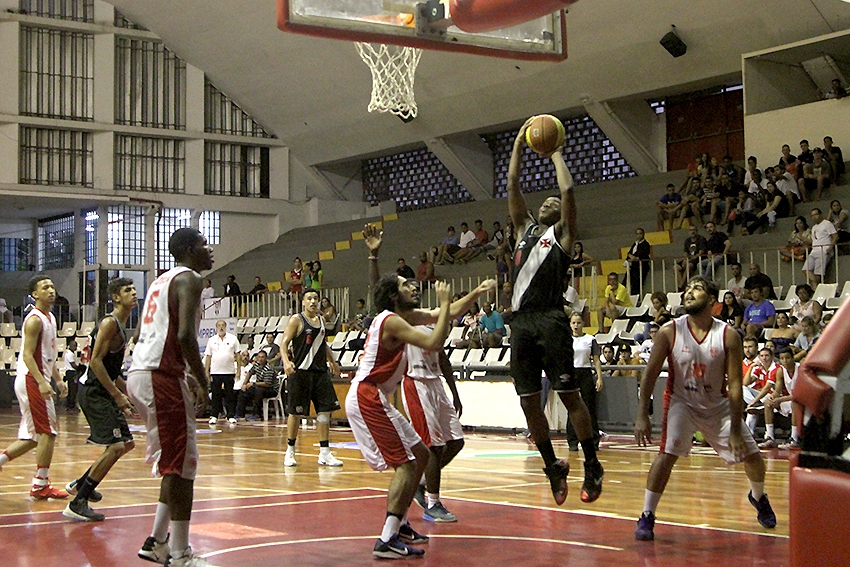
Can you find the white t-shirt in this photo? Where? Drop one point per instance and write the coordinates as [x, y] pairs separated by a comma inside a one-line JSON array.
[[466, 238], [207, 293], [822, 233], [787, 185], [222, 353], [70, 358], [583, 347], [736, 287], [571, 295]]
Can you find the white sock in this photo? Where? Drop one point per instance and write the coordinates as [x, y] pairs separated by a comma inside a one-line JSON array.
[[432, 498], [290, 450], [324, 451], [42, 477], [4, 458], [769, 431], [757, 489], [752, 421], [179, 537], [650, 501], [160, 522], [794, 434], [391, 527]]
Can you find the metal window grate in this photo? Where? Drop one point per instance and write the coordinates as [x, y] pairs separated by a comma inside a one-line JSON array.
[[172, 219], [150, 85], [75, 10], [57, 74], [126, 234], [210, 226], [223, 116], [235, 170], [414, 180], [55, 157], [588, 153], [56, 242], [150, 164], [122, 22], [15, 254], [91, 219]]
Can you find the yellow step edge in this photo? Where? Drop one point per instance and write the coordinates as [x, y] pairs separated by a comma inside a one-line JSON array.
[[659, 237], [357, 235], [342, 245], [390, 217], [326, 255]]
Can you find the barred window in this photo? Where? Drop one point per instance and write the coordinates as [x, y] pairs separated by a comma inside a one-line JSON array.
[[15, 254], [56, 242], [126, 234], [122, 22], [150, 85], [91, 218], [414, 180], [55, 157], [223, 116], [150, 164], [171, 220], [75, 10], [235, 170], [57, 74], [588, 153]]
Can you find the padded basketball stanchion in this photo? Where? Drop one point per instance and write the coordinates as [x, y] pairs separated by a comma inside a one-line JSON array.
[[477, 16]]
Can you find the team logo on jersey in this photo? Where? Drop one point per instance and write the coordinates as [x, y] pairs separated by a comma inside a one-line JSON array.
[[545, 243], [713, 352], [686, 349]]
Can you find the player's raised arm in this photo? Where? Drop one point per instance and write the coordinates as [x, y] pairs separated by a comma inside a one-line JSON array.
[[456, 308], [566, 229], [397, 329], [660, 351], [517, 207]]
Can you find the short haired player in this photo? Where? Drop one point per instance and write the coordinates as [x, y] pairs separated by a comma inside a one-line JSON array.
[[703, 394]]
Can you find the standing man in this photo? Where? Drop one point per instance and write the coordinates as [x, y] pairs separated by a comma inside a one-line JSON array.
[[717, 246], [220, 367], [541, 338], [638, 262], [824, 239], [385, 437], [36, 368], [703, 394], [103, 399], [166, 394], [309, 374]]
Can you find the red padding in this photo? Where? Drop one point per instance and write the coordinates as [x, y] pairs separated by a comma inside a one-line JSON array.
[[831, 352], [819, 516], [810, 391], [477, 16]]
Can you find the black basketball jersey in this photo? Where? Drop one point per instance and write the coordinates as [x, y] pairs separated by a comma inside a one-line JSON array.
[[540, 265], [113, 361], [308, 346]]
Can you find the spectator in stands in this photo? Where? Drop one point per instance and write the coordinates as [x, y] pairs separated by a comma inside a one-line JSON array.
[[258, 289], [637, 260], [776, 205], [709, 203], [425, 271], [470, 321], [208, 292], [608, 357], [759, 315], [329, 314], [473, 249], [760, 279], [816, 176], [231, 289], [240, 385], [404, 270], [660, 315], [467, 240], [838, 91], [695, 247], [824, 239], [786, 184], [617, 299], [265, 385], [250, 347], [838, 216], [317, 276], [495, 241], [727, 191], [668, 206], [492, 326], [360, 313], [789, 161], [570, 295], [807, 338], [579, 260], [742, 213], [836, 159], [805, 307], [735, 173], [505, 297], [646, 346], [448, 246], [799, 241], [736, 283], [717, 246], [690, 203], [805, 156], [272, 350], [5, 313], [783, 336], [296, 277], [732, 313], [625, 358], [752, 168]]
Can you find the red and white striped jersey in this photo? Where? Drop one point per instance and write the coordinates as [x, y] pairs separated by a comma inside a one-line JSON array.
[[697, 369], [380, 365], [157, 347], [45, 350], [423, 364], [762, 377]]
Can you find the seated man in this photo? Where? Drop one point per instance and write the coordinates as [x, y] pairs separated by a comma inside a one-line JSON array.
[[493, 327], [475, 247], [779, 400], [266, 385], [817, 176], [717, 247], [695, 247], [448, 247], [668, 205], [759, 314], [617, 299], [759, 381]]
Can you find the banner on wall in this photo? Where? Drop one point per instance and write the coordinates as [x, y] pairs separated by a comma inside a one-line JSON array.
[[216, 308]]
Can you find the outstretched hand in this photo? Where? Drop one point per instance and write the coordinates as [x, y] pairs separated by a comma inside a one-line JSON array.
[[373, 237], [520, 137], [444, 292]]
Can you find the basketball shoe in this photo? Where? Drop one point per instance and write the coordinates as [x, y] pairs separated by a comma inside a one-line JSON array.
[[80, 510], [395, 549], [155, 551], [71, 488], [188, 559], [438, 513], [592, 487], [645, 527], [326, 458], [408, 535], [46, 492], [557, 473], [766, 516], [419, 497]]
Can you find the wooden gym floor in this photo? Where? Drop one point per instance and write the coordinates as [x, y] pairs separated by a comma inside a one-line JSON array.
[[252, 511]]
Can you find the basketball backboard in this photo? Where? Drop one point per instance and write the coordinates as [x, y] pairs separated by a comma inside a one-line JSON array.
[[422, 24]]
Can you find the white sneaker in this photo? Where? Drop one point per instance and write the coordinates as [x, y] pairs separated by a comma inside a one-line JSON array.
[[155, 551], [329, 460], [213, 420], [187, 560], [232, 421], [289, 460]]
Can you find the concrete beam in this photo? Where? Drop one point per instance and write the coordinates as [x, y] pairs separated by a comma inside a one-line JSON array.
[[469, 159], [633, 128]]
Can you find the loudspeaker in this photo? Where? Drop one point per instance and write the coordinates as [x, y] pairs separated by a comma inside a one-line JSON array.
[[675, 46]]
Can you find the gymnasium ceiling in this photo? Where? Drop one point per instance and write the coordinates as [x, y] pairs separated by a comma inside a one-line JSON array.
[[312, 93]]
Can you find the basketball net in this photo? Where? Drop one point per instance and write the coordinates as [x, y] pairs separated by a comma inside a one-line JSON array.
[[393, 68]]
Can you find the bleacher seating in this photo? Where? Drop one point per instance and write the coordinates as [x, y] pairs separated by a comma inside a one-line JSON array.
[[86, 328], [825, 291]]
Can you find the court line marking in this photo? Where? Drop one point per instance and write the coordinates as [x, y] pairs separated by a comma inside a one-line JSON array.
[[452, 536]]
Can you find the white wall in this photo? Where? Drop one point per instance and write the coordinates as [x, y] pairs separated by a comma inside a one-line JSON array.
[[765, 133]]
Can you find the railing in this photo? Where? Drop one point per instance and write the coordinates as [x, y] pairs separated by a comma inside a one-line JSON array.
[[278, 303]]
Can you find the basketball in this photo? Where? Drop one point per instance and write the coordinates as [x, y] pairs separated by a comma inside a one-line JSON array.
[[545, 134]]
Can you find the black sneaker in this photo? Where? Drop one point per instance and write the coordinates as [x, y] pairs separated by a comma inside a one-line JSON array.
[[646, 527], [557, 473], [79, 510], [395, 549], [419, 497], [765, 513], [71, 488], [592, 487], [408, 535], [155, 551]]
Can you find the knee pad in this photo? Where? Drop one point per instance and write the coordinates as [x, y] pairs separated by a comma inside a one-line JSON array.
[[323, 417]]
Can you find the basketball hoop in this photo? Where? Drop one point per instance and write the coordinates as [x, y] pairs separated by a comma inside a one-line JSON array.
[[393, 68]]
